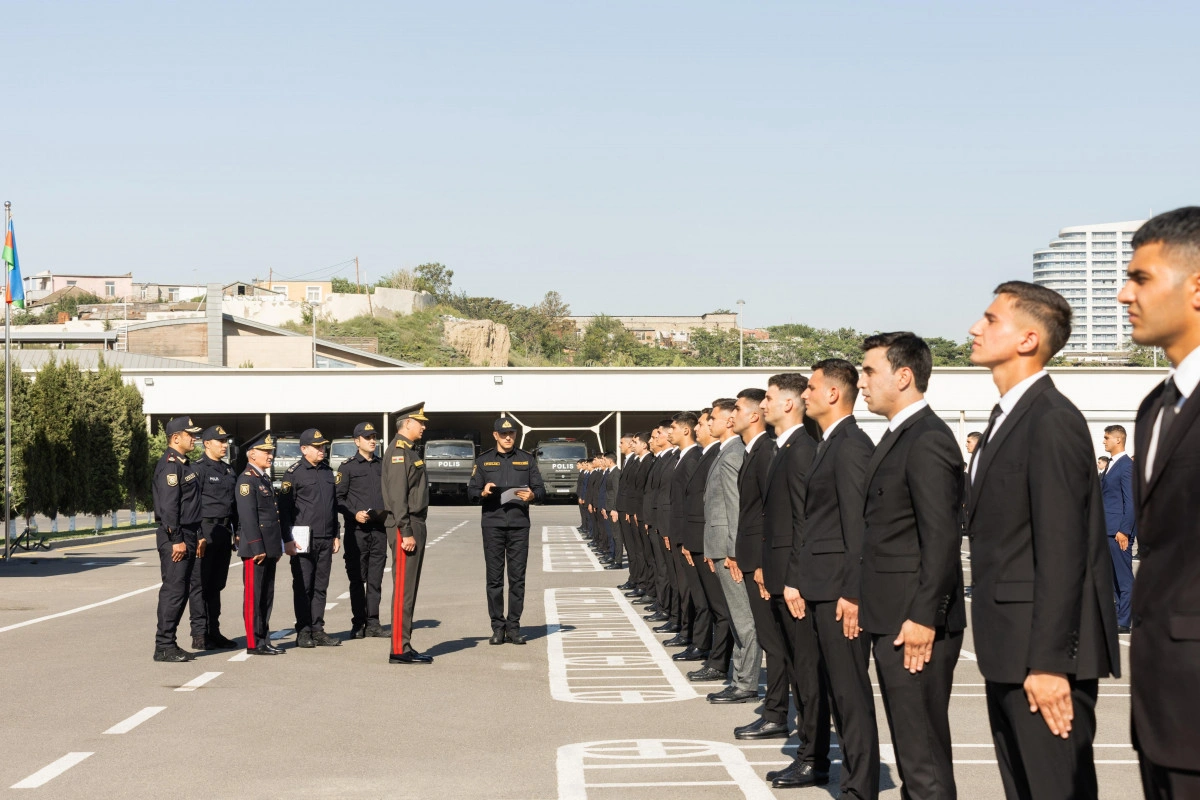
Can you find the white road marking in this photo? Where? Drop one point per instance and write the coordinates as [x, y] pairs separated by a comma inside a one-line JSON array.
[[330, 605], [563, 550], [196, 683], [138, 564], [126, 725], [344, 596], [51, 771], [242, 657], [447, 533], [600, 652], [88, 607], [671, 762]]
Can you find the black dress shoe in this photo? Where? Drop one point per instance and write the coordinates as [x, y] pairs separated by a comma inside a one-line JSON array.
[[323, 639], [497, 637], [731, 694], [410, 657], [358, 632], [678, 640], [420, 657], [657, 616], [633, 594], [799, 775], [644, 601], [761, 729], [706, 674], [172, 655], [218, 642], [626, 586], [690, 654], [614, 565], [199, 642], [1124, 629], [376, 631], [305, 639], [666, 627], [514, 637], [265, 650]]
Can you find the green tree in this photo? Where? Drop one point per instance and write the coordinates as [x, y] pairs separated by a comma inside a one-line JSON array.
[[22, 433], [347, 286], [604, 339], [714, 348], [398, 279], [436, 279], [52, 478]]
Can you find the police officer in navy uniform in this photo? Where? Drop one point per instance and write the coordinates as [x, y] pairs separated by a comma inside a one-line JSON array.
[[307, 498], [359, 492], [261, 542], [506, 525], [177, 508], [406, 497], [218, 513]]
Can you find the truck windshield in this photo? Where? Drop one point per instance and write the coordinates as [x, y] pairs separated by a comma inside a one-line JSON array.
[[287, 448], [343, 449], [563, 451], [449, 450]]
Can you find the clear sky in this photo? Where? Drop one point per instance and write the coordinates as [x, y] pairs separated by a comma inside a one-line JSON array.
[[877, 165]]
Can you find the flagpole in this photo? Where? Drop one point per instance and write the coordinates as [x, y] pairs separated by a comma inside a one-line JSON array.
[[7, 401]]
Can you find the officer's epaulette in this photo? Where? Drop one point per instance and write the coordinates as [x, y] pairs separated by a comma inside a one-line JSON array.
[[249, 473], [293, 467], [403, 444], [486, 453], [171, 457]]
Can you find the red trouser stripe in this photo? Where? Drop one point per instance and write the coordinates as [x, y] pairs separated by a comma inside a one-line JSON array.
[[398, 595], [248, 600]]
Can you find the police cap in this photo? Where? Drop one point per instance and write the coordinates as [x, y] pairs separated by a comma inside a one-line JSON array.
[[313, 437], [181, 425], [263, 440], [504, 425], [365, 429], [214, 432], [415, 411]]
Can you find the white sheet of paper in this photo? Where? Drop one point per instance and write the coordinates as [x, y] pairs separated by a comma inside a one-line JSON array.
[[511, 495], [301, 535]]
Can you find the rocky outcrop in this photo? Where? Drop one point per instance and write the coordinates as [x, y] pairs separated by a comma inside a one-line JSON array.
[[482, 342]]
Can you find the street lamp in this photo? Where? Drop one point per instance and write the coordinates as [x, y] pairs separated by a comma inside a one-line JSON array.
[[741, 336]]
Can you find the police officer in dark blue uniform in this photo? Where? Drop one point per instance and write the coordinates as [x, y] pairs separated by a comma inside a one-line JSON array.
[[307, 498], [359, 489], [177, 508], [261, 542], [506, 525], [218, 513]]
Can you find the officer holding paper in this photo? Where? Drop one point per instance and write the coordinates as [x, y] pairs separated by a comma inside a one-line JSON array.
[[506, 480]]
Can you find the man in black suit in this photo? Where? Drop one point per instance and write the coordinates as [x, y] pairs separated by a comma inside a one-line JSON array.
[[694, 620], [656, 528], [615, 500], [1163, 296], [783, 520], [1044, 621], [632, 486], [824, 579], [748, 423], [702, 580], [911, 601]]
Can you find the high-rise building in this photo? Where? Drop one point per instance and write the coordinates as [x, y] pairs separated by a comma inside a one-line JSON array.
[[1086, 264]]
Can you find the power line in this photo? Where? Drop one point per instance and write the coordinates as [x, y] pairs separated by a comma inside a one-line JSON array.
[[332, 269]]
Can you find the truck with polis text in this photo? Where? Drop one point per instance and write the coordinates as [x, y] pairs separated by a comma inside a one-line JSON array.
[[556, 461]]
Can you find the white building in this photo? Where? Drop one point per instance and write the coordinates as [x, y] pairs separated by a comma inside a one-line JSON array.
[[1086, 264]]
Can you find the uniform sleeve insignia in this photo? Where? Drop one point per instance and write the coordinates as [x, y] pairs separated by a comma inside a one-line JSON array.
[[474, 469], [338, 479], [285, 487], [189, 476], [419, 463], [244, 490], [172, 479], [397, 459]]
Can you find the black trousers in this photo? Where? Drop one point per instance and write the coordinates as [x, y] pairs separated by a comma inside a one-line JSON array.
[[366, 559], [808, 676], [686, 613], [176, 588], [721, 649], [583, 515], [310, 582], [214, 573], [775, 702], [258, 595], [664, 584], [633, 547], [917, 708], [505, 546], [197, 609], [844, 662], [617, 530], [406, 579], [1034, 763], [1164, 783]]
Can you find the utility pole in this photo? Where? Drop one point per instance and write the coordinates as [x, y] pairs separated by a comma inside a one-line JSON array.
[[741, 336], [370, 311]]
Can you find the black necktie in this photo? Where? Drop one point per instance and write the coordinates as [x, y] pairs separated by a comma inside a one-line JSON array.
[[1170, 399], [987, 434], [821, 446]]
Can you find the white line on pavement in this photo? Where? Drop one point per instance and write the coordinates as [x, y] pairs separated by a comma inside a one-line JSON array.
[[196, 683], [241, 657], [330, 605], [125, 726], [14, 626], [51, 771], [344, 596]]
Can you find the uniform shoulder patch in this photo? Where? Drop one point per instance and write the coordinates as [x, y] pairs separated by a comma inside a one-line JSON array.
[[293, 467], [419, 463], [474, 469], [338, 479], [244, 489], [285, 487], [172, 479], [189, 476], [397, 459]]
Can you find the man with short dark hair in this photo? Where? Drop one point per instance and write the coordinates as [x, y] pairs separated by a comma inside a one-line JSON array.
[[634, 486], [177, 508], [656, 525], [1042, 600], [694, 627], [405, 485], [1163, 296], [218, 521], [1116, 486], [359, 492], [911, 600]]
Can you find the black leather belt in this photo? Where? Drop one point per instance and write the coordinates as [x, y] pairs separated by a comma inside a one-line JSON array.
[[218, 520]]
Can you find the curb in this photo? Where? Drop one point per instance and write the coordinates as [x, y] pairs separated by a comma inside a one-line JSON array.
[[91, 539]]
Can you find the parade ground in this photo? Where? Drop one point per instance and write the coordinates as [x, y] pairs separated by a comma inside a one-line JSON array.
[[591, 707]]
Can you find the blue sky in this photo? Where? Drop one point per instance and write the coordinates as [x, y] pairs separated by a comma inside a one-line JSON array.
[[878, 165]]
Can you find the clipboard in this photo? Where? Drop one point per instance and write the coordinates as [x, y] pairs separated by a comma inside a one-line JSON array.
[[301, 534], [510, 495]]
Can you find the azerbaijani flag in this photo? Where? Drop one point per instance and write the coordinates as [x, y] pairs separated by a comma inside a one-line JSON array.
[[16, 288]]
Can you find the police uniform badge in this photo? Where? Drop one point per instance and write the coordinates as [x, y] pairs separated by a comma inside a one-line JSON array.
[[244, 490], [285, 487], [338, 479], [172, 479]]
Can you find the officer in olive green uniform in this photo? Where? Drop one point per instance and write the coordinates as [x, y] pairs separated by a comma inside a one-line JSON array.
[[406, 500]]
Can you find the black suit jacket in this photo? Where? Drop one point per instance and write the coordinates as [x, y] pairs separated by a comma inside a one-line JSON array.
[[751, 479], [1166, 592], [634, 484], [652, 494], [663, 509], [1042, 596], [912, 567], [680, 474], [613, 490], [783, 506], [827, 550], [693, 501]]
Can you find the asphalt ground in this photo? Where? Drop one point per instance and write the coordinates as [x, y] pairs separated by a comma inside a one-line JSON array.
[[590, 708]]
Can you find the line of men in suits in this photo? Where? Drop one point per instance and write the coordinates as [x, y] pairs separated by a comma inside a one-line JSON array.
[[823, 550]]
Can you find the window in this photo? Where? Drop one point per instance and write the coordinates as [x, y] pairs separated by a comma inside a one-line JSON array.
[[173, 294], [1073, 236], [72, 283], [1110, 235], [110, 288], [312, 294], [281, 289]]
